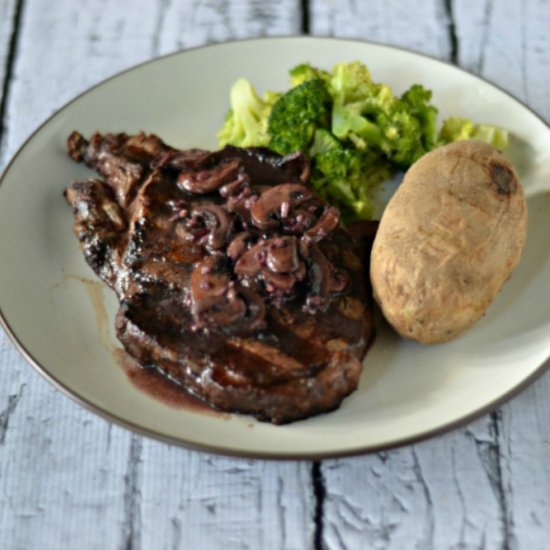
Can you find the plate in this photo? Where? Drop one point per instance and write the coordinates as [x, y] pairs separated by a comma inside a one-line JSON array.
[[61, 318]]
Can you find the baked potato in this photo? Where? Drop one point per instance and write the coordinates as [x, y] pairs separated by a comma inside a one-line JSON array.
[[448, 240]]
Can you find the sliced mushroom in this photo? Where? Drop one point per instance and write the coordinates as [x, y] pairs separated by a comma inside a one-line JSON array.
[[208, 181], [276, 203], [240, 204], [217, 302], [228, 312], [207, 284], [237, 247], [324, 278], [300, 221], [252, 261], [282, 255], [255, 311], [276, 261], [339, 280], [213, 297], [218, 222], [142, 146], [279, 281], [235, 187], [328, 221]]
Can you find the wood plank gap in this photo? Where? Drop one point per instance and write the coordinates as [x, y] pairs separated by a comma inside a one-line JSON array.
[[7, 412], [131, 528], [319, 491], [164, 5], [429, 529], [487, 14], [306, 27], [10, 63], [451, 29], [507, 528]]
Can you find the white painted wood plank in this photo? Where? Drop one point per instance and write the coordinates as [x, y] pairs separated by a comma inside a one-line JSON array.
[[67, 478], [525, 447], [437, 494], [196, 22], [224, 503], [422, 27], [508, 43], [7, 13], [61, 474]]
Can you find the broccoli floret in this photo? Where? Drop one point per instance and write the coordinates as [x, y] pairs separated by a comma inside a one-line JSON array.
[[403, 129], [348, 122], [303, 72], [245, 124], [458, 129], [409, 126], [331, 157], [296, 115], [345, 176], [350, 82], [402, 132], [417, 98]]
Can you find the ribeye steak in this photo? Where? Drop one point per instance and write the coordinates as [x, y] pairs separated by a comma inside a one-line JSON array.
[[234, 279]]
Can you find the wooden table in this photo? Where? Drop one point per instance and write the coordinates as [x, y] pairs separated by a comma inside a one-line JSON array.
[[69, 480]]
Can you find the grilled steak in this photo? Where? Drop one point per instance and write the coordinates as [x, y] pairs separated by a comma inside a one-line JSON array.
[[234, 279]]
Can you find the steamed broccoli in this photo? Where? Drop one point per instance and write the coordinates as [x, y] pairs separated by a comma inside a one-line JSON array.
[[345, 176], [371, 117], [417, 99], [296, 115], [348, 123], [458, 129], [303, 72], [245, 124], [356, 131], [351, 82]]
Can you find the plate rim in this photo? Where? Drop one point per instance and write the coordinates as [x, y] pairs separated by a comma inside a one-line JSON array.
[[266, 455]]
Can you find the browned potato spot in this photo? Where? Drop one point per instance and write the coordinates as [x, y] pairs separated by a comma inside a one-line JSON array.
[[449, 239]]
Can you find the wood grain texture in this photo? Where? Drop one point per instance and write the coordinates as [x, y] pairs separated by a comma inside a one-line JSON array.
[[224, 503], [508, 43], [424, 28], [196, 22], [67, 478], [437, 494]]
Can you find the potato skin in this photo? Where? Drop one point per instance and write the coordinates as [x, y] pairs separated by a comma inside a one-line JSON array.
[[448, 240]]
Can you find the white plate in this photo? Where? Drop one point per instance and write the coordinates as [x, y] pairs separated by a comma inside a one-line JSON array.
[[407, 391]]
